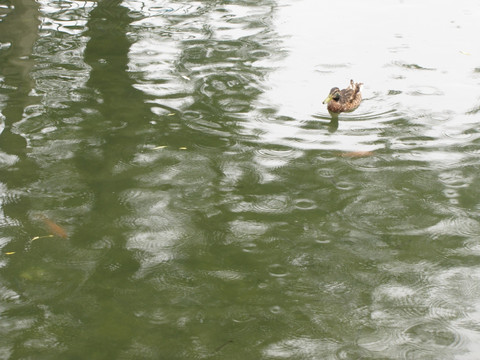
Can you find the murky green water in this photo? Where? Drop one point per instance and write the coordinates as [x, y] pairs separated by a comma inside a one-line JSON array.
[[203, 205]]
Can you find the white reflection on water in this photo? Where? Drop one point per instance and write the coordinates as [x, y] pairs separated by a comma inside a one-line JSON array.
[[412, 60], [69, 17]]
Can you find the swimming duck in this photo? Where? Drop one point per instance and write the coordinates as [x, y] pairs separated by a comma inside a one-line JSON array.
[[345, 100]]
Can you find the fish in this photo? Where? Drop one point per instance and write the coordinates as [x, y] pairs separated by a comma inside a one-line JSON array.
[[223, 345], [357, 154], [54, 228]]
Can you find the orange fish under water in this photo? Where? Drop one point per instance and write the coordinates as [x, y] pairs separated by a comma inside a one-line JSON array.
[[55, 229], [357, 154]]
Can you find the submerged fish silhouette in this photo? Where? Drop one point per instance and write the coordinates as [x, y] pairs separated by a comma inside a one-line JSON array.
[[54, 228], [357, 154]]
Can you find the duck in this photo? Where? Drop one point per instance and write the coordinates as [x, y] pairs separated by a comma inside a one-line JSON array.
[[345, 100]]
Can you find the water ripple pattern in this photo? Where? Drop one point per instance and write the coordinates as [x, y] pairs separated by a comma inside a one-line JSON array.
[[171, 185]]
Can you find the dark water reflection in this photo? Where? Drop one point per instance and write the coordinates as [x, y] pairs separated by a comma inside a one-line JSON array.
[[212, 208]]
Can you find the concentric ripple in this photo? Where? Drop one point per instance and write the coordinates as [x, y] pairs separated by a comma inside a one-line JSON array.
[[393, 207]]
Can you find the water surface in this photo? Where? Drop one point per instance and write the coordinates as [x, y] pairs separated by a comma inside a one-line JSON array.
[[211, 207]]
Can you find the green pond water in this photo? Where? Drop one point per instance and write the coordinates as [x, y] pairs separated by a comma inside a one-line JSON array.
[[173, 188]]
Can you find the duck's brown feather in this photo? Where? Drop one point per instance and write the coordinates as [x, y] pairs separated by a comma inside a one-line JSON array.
[[350, 99]]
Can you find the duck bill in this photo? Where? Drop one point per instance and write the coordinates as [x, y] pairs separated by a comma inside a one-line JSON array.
[[328, 99]]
